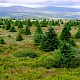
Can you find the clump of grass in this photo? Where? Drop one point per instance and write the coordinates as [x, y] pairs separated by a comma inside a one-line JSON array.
[[26, 53]]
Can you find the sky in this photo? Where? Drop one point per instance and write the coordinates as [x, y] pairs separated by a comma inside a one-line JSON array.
[[41, 3]]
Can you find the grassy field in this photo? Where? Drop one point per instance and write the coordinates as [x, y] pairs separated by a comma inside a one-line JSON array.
[[24, 68]]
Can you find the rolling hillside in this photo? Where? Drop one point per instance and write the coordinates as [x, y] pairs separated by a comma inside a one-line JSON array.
[[42, 12]]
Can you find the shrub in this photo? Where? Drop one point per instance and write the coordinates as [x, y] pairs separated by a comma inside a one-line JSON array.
[[26, 53], [46, 61]]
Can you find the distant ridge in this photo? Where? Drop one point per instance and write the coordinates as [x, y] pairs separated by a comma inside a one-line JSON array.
[[46, 8], [41, 12], [59, 9]]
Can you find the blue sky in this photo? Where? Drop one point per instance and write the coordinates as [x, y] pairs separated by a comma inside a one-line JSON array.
[[40, 3]]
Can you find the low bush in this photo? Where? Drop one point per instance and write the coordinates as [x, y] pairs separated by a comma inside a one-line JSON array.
[[26, 53], [46, 61]]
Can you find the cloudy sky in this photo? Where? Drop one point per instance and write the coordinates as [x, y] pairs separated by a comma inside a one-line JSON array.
[[40, 3]]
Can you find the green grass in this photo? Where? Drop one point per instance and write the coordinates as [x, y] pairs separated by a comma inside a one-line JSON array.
[[26, 68]]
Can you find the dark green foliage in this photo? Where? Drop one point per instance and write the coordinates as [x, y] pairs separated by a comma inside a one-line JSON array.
[[72, 42], [38, 30], [2, 41], [26, 53], [36, 23], [27, 30], [78, 34], [1, 22], [0, 26], [65, 58], [21, 30], [43, 23], [3, 27], [56, 23], [8, 25], [20, 25], [28, 23], [19, 37], [12, 29], [38, 35], [65, 35], [68, 26], [49, 41], [16, 23]]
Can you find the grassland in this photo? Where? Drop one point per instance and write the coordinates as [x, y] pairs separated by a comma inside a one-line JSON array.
[[13, 68]]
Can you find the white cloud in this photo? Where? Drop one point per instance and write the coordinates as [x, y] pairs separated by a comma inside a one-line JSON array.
[[39, 3]]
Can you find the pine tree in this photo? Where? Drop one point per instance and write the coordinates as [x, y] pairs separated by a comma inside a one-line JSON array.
[[27, 30], [28, 23], [65, 35], [8, 25], [38, 35], [49, 41], [19, 37], [78, 34], [2, 41], [43, 23], [12, 29], [20, 25], [36, 23], [68, 56]]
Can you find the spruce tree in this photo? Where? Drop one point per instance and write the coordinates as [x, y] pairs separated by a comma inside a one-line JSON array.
[[12, 29], [28, 23], [8, 25], [27, 30], [20, 25], [78, 34], [36, 23], [43, 23], [38, 35], [68, 56], [65, 35], [49, 41], [19, 37], [2, 41]]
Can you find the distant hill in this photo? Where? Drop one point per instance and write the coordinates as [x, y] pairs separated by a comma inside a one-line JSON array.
[[60, 9], [41, 12]]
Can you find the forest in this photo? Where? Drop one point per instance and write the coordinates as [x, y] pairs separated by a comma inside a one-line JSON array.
[[45, 49]]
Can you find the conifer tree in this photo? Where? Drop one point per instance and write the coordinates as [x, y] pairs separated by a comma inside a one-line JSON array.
[[36, 23], [49, 41], [68, 56], [43, 23], [12, 29], [19, 37], [78, 34], [27, 30], [20, 25], [2, 41], [65, 35], [8, 25], [38, 35], [28, 23]]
